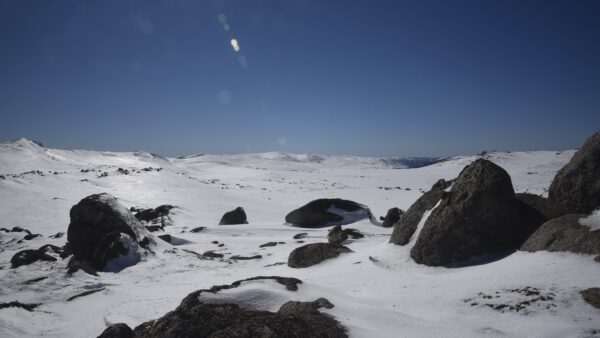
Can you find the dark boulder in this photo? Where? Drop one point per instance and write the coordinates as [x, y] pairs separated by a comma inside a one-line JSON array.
[[102, 230], [546, 208], [407, 225], [327, 212], [196, 317], [148, 215], [564, 234], [392, 217], [311, 254], [300, 308], [337, 236], [26, 257], [592, 296], [577, 184], [479, 215], [117, 331], [236, 216]]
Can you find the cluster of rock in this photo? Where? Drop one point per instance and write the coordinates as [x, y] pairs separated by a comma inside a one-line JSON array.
[[195, 317], [479, 214]]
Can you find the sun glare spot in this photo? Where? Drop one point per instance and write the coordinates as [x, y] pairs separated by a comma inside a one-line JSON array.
[[235, 45]]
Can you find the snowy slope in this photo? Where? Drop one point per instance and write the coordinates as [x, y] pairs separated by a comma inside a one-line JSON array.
[[377, 290]]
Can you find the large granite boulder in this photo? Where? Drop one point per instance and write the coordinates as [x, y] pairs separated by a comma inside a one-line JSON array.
[[577, 184], [236, 216], [407, 224], [105, 234], [478, 215], [328, 212], [312, 254], [564, 234]]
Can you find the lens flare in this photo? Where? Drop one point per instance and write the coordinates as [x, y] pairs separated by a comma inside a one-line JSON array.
[[235, 45]]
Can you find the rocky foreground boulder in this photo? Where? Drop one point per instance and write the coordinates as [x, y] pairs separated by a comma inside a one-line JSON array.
[[105, 235], [577, 184], [312, 254], [328, 212], [407, 224], [592, 296], [564, 234], [236, 216], [478, 215], [197, 317]]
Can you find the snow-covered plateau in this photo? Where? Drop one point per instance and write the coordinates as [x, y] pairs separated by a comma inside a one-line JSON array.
[[377, 290]]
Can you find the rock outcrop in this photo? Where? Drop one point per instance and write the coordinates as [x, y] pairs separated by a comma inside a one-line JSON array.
[[577, 184], [564, 233], [407, 226], [200, 317]]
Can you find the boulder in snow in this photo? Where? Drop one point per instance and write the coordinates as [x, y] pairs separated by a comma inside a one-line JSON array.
[[26, 257], [236, 216], [327, 212], [565, 233], [392, 217], [105, 234], [479, 215], [311, 254]]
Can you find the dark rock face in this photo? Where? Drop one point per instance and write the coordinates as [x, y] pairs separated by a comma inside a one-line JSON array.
[[194, 318], [26, 257], [315, 253], [407, 226], [101, 228], [326, 212], [592, 296], [577, 184], [392, 217], [480, 215], [117, 331], [545, 207], [564, 234], [236, 216]]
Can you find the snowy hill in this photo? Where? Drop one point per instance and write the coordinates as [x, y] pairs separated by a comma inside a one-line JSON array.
[[377, 290]]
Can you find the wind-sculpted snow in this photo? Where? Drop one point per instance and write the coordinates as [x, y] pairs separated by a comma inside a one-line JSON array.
[[377, 289]]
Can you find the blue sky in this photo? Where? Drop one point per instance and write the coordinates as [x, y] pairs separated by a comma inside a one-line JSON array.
[[396, 78]]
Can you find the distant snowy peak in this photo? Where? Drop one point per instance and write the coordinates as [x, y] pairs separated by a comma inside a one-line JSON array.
[[25, 143]]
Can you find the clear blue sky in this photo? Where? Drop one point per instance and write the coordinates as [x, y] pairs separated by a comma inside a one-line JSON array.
[[333, 77]]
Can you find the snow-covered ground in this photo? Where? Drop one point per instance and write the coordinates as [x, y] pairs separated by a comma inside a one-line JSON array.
[[377, 290]]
